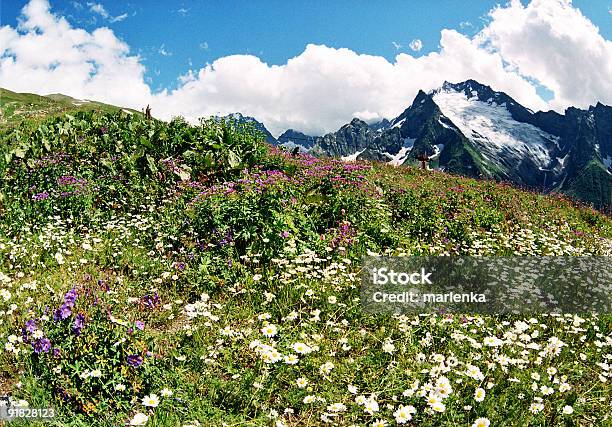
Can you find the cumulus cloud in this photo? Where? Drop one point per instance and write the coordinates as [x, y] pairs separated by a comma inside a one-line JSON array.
[[322, 88], [416, 45], [554, 43]]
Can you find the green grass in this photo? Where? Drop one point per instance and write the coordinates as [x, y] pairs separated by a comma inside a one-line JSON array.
[[16, 107]]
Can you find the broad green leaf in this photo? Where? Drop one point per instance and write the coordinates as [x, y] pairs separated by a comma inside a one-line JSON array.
[[233, 159], [19, 152]]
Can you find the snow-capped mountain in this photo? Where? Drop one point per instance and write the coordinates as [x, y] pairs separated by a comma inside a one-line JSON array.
[[468, 128]]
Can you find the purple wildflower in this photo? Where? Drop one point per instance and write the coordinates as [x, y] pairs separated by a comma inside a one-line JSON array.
[[134, 360], [103, 285], [70, 297], [42, 345], [151, 301], [30, 326], [40, 196], [79, 322], [139, 324], [62, 313]]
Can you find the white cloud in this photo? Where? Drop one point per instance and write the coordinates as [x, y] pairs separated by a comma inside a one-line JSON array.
[[416, 45], [553, 43], [396, 45], [322, 88], [99, 9], [162, 50], [119, 18], [182, 11]]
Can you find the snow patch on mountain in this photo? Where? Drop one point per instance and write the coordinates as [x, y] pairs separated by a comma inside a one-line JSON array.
[[398, 124], [444, 125], [352, 157], [607, 161], [290, 146], [562, 161], [437, 150], [399, 158], [493, 129]]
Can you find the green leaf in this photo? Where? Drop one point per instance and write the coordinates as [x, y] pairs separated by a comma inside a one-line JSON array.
[[188, 154], [233, 160], [146, 143], [152, 165], [19, 152]]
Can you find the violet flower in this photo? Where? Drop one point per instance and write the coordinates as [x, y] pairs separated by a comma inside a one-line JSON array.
[[42, 345], [134, 360]]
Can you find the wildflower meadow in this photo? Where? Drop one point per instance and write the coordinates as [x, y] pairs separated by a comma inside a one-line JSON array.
[[165, 274]]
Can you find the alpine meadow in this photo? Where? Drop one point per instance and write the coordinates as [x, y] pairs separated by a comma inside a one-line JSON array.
[[205, 260]]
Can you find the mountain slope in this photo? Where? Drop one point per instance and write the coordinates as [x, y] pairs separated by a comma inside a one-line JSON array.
[[241, 119], [15, 107], [292, 139], [465, 128]]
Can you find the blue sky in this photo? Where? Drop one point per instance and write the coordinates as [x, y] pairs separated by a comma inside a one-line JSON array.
[[173, 36], [307, 65]]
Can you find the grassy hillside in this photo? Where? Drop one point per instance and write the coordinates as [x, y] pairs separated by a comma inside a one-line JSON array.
[[15, 107], [176, 274]]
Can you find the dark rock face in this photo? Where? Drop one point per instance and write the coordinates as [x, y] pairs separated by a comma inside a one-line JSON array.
[[384, 124], [292, 138], [602, 115], [349, 139]]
